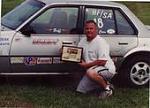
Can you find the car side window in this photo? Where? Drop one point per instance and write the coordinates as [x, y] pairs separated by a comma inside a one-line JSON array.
[[123, 26], [104, 19], [58, 20]]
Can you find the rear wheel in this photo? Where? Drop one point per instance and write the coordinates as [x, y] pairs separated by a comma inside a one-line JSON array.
[[136, 72]]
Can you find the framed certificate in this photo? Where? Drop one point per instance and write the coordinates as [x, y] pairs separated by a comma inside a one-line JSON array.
[[71, 53]]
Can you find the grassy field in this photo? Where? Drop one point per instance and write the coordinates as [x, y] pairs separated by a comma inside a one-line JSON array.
[[48, 95], [36, 94]]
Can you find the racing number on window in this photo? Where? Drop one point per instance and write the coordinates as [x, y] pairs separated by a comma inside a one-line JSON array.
[[104, 19], [99, 22]]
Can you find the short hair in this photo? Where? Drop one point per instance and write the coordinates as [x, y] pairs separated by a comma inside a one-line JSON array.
[[91, 21]]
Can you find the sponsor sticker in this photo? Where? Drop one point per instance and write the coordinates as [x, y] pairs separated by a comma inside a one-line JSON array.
[[45, 42], [56, 60], [4, 41], [110, 31], [15, 60], [44, 60], [30, 61]]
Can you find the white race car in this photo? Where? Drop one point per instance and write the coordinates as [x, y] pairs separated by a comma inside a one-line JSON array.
[[33, 33]]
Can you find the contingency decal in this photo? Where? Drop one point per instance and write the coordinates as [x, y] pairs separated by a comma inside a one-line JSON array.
[[56, 60], [30, 61], [44, 60], [15, 60], [110, 31], [4, 41], [4, 45], [45, 41], [56, 30]]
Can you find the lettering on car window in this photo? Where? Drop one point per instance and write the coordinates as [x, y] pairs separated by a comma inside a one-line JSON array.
[[104, 19], [56, 20]]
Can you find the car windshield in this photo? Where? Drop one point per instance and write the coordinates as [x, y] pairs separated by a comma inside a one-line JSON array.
[[21, 13]]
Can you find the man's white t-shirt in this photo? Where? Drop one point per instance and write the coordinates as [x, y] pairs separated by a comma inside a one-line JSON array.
[[97, 49]]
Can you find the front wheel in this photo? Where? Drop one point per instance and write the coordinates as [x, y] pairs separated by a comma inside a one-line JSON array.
[[137, 71]]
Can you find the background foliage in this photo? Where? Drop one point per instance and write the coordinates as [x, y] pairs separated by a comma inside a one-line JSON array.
[[140, 9]]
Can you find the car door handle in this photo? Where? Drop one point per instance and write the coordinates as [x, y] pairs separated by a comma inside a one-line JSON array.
[[120, 43], [67, 42], [17, 39]]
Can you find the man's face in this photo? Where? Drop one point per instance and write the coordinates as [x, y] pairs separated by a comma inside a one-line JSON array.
[[90, 31]]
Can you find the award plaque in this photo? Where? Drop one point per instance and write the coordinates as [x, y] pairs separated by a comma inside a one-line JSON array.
[[71, 53]]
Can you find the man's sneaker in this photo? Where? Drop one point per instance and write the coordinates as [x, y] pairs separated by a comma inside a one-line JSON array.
[[111, 86], [105, 94]]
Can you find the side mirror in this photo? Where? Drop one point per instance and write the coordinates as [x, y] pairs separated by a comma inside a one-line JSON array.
[[27, 30]]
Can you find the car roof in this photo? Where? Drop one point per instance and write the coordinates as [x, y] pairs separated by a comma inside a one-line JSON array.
[[83, 2]]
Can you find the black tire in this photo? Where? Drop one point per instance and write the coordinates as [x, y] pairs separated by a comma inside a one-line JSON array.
[[136, 71]]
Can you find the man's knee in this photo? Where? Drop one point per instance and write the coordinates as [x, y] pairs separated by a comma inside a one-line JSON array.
[[91, 73]]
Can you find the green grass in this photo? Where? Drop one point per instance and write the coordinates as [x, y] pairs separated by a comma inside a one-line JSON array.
[[62, 97]]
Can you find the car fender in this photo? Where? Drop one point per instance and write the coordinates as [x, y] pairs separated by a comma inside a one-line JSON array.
[[137, 50], [6, 38]]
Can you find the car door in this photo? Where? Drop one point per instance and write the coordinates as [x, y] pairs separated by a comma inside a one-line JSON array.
[[115, 27], [37, 47]]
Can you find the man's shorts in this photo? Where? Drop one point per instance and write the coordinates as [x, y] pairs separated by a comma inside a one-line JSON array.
[[104, 72], [86, 84]]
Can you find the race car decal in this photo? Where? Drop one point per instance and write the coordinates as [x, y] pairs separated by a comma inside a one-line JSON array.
[[30, 61], [4, 45], [44, 60], [45, 42], [110, 31], [14, 60], [4, 41], [56, 60]]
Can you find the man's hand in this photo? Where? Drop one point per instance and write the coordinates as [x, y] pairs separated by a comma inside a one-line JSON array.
[[83, 64], [100, 62]]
